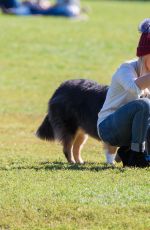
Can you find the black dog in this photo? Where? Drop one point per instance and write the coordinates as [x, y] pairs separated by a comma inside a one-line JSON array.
[[72, 115]]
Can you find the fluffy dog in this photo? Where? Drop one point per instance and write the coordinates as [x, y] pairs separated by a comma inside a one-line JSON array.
[[72, 116]]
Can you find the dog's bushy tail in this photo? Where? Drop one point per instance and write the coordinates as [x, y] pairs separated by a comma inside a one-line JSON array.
[[45, 131]]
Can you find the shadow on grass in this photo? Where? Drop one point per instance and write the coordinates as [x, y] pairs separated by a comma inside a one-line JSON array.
[[88, 166]]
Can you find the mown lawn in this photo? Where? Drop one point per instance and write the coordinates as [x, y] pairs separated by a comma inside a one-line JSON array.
[[38, 189]]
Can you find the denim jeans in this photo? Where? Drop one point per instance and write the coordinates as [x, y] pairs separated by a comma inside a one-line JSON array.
[[54, 11], [128, 125]]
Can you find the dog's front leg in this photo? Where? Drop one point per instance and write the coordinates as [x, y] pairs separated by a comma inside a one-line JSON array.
[[78, 144], [110, 153]]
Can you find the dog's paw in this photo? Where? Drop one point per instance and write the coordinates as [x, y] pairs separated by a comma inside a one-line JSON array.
[[110, 158], [80, 161]]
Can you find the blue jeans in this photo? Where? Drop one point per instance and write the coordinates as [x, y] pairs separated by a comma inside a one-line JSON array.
[[128, 125], [54, 11]]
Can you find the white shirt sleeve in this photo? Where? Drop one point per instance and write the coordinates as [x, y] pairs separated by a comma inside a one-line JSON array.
[[126, 77]]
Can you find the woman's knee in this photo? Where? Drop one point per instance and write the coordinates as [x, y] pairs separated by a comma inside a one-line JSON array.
[[144, 104]]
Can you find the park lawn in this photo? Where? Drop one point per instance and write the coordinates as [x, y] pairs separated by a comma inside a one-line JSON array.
[[38, 189]]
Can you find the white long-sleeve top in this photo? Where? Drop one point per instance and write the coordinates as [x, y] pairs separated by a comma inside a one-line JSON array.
[[122, 90]]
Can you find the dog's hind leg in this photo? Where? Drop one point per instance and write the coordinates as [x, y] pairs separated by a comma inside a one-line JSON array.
[[79, 141], [67, 149]]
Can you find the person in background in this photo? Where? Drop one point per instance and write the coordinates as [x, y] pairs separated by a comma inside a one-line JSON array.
[[124, 119], [66, 8]]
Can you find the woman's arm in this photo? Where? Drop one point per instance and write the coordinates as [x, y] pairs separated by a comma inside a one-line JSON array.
[[143, 82]]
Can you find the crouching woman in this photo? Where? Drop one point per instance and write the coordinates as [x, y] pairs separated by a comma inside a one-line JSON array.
[[124, 119]]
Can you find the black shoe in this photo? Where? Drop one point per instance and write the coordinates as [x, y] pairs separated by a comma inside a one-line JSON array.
[[138, 159], [124, 154]]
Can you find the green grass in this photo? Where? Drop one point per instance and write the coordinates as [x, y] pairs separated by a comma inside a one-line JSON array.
[[38, 189]]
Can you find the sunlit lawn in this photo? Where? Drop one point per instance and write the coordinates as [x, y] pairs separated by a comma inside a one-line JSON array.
[[38, 189]]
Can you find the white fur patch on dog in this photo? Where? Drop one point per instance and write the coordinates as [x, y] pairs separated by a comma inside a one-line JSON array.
[[110, 158]]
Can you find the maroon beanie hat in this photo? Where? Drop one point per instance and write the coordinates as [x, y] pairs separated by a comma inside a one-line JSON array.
[[144, 42]]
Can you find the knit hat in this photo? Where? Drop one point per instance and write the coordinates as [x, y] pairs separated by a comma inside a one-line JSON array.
[[144, 42]]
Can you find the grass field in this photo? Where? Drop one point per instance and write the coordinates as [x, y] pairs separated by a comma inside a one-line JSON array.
[[38, 189]]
